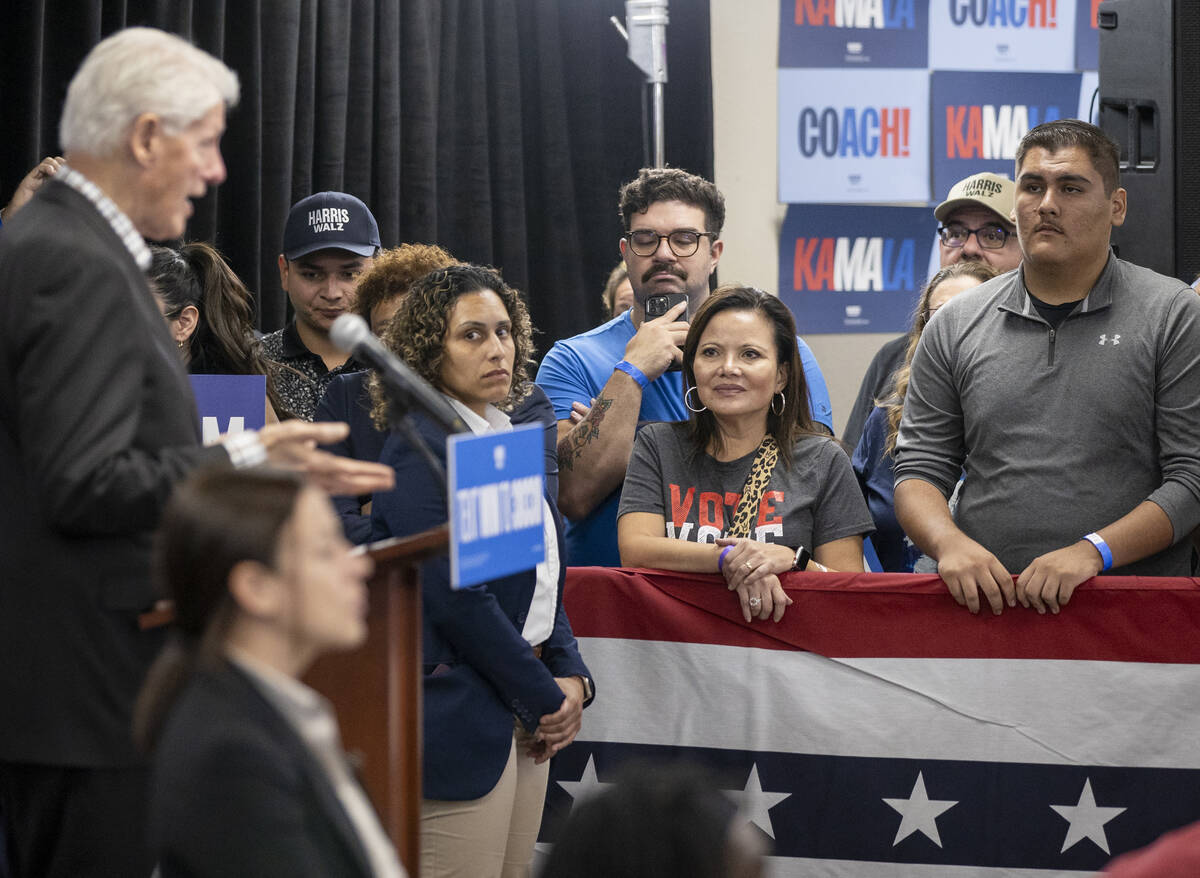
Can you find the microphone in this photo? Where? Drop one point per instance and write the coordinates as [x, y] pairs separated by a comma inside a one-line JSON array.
[[351, 334]]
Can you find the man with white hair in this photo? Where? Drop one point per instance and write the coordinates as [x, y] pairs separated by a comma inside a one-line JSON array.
[[97, 423]]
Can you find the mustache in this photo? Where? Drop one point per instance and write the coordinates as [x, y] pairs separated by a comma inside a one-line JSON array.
[[664, 267]]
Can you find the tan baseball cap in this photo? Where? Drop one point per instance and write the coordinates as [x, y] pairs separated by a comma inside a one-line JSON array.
[[995, 192]]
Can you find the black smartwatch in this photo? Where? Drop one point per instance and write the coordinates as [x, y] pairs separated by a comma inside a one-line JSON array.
[[803, 556], [588, 691]]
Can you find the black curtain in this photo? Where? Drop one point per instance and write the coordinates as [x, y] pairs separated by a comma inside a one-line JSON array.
[[500, 129]]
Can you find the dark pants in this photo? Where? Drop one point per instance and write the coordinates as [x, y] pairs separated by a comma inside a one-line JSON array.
[[75, 822]]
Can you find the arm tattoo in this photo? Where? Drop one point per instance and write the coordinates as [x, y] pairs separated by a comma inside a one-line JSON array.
[[574, 443]]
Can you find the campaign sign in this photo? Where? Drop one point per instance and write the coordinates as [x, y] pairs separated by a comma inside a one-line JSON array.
[[229, 403], [853, 135], [1002, 34], [1087, 36], [853, 33], [980, 118], [496, 483], [846, 268]]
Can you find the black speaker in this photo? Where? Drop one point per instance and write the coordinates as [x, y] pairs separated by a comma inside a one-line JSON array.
[[1150, 104]]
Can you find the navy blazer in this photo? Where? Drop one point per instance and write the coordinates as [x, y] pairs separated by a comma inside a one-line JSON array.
[[480, 671], [347, 399], [236, 791]]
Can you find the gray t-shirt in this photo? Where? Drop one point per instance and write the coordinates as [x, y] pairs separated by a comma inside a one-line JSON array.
[[813, 503]]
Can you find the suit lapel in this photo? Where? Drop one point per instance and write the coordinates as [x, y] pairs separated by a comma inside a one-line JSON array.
[[319, 785]]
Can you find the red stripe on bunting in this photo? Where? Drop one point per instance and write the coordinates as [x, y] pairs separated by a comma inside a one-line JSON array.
[[881, 615]]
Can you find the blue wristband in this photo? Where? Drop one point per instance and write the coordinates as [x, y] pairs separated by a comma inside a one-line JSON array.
[[721, 558], [633, 372], [1102, 547]]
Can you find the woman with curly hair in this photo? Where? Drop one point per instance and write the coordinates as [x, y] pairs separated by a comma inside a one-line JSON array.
[[504, 685], [377, 296], [348, 399], [873, 457]]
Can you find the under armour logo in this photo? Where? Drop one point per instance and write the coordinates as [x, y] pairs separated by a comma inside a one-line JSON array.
[[1104, 339]]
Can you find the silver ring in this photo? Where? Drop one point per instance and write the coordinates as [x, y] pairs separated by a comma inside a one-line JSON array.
[[755, 602], [748, 566]]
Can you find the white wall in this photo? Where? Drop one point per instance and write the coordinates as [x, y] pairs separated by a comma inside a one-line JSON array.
[[745, 52]]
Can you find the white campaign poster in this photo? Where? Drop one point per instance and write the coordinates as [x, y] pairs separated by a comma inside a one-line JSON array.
[[853, 136]]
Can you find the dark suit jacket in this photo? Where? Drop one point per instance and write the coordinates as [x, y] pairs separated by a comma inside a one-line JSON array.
[[237, 792], [347, 399], [480, 671], [97, 422]]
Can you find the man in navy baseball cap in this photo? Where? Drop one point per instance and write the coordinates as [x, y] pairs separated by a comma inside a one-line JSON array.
[[329, 240]]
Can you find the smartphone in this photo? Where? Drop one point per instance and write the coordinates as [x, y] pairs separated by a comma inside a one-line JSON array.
[[657, 306]]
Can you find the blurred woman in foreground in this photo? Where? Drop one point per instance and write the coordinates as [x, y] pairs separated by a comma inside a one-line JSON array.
[[746, 486], [249, 777]]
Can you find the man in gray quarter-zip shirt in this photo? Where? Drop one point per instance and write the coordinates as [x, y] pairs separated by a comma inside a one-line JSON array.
[[1070, 393]]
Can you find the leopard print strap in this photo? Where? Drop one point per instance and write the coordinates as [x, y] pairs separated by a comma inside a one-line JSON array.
[[756, 483]]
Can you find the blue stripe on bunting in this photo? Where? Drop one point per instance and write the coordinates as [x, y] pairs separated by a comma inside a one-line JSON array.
[[1003, 816]]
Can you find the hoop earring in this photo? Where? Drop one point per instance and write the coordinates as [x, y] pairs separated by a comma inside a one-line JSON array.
[[782, 404], [686, 393]]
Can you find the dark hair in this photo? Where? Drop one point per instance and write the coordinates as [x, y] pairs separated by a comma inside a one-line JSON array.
[[394, 271], [796, 419], [214, 520], [418, 331], [657, 821], [671, 184], [616, 277], [223, 344], [894, 403], [1062, 134]]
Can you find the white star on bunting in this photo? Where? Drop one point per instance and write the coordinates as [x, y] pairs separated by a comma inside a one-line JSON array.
[[1086, 819], [755, 804], [588, 785], [918, 813]]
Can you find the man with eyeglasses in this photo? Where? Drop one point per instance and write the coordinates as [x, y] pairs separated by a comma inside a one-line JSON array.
[[623, 369], [976, 226], [1069, 389]]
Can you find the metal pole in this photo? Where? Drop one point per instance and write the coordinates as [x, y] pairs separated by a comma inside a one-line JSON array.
[[659, 146], [646, 32]]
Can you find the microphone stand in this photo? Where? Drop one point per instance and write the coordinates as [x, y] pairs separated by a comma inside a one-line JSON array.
[[399, 406]]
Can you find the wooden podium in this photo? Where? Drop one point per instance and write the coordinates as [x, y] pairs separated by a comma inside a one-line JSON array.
[[376, 690]]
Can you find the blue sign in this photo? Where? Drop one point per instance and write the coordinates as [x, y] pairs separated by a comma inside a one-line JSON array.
[[853, 33], [496, 484], [1002, 34], [980, 118], [853, 135], [854, 269], [1087, 36], [230, 403]]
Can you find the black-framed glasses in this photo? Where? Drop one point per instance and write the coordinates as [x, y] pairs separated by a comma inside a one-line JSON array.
[[683, 242], [991, 236]]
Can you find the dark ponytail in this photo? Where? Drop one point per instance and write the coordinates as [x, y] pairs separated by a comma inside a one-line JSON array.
[[223, 343]]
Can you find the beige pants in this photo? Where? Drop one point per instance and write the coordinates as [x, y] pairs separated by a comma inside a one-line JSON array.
[[491, 837]]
